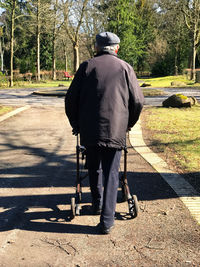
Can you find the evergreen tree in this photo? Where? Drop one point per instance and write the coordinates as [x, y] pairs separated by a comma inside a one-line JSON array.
[[132, 21], [14, 12]]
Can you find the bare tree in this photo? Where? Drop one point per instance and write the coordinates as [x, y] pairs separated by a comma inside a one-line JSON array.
[[73, 14], [57, 22], [54, 32], [2, 47], [12, 16], [12, 7], [38, 27], [172, 29], [191, 11], [39, 11], [65, 48], [94, 22]]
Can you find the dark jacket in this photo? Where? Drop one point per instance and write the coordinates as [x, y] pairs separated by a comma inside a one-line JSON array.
[[104, 99]]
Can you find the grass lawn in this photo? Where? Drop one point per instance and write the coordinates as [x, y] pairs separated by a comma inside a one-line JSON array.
[[24, 84], [155, 82], [166, 81], [48, 84], [175, 134], [5, 109]]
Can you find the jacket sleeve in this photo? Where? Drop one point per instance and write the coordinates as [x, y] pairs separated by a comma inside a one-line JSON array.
[[72, 98], [136, 98]]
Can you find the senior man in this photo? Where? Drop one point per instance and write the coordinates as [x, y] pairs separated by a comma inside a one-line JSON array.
[[104, 101]]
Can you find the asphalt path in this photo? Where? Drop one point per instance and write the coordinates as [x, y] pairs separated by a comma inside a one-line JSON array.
[[157, 100], [38, 172], [19, 97], [26, 97]]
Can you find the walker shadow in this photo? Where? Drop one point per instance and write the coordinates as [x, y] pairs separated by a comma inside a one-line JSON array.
[[55, 170], [52, 170], [18, 216]]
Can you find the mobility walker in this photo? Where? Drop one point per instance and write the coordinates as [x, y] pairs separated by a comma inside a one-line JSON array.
[[126, 195]]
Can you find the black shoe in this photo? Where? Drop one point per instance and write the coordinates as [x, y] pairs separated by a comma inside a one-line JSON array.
[[104, 230]]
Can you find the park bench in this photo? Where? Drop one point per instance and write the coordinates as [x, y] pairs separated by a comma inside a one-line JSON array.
[[67, 75]]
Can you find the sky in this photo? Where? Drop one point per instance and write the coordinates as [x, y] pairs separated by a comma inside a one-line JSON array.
[[1, 10]]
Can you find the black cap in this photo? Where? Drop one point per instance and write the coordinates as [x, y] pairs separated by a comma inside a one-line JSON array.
[[107, 38]]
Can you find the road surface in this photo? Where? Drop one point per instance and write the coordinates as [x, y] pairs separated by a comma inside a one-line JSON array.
[[25, 97], [37, 177]]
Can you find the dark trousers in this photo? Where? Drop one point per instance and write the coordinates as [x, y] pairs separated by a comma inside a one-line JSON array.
[[103, 167]]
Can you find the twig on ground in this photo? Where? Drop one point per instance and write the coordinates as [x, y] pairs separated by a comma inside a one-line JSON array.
[[138, 251], [153, 247], [60, 245], [143, 208]]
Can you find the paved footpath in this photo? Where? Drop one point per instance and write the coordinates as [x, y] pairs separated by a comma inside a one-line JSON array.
[[37, 177]]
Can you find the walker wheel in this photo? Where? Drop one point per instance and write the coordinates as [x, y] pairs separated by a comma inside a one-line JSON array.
[[73, 207], [133, 206]]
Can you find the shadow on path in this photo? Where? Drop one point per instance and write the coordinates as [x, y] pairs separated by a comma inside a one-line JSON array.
[[38, 168]]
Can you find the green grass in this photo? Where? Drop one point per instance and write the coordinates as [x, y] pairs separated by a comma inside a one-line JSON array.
[[175, 134], [49, 84], [5, 109], [155, 82], [42, 84], [166, 81]]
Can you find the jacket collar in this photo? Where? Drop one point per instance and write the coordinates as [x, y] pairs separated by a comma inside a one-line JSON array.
[[106, 53]]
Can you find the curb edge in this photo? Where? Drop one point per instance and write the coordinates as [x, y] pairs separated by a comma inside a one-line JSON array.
[[14, 112]]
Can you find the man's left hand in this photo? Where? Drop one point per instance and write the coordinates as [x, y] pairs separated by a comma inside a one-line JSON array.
[[75, 132]]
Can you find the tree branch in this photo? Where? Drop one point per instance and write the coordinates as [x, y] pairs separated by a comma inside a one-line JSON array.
[[81, 18]]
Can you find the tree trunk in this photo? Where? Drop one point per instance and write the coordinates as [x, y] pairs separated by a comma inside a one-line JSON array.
[[2, 53], [38, 57], [76, 56], [194, 52], [193, 64], [54, 69], [54, 42], [38, 40], [66, 65], [176, 60], [54, 59], [12, 41]]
